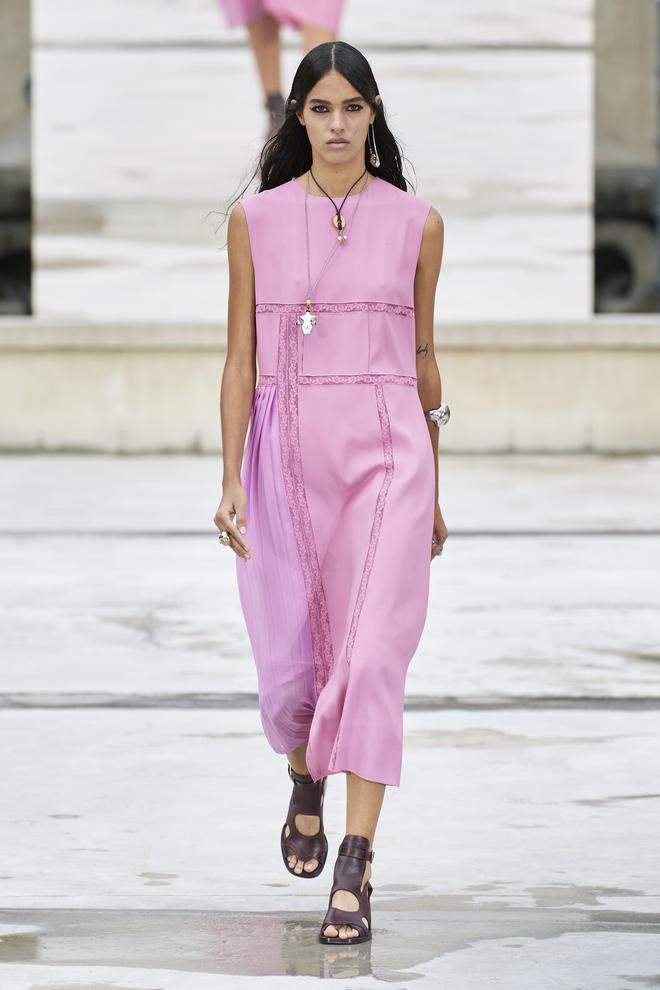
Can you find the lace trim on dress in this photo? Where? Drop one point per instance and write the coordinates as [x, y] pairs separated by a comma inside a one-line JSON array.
[[366, 379], [337, 307], [370, 379], [287, 405]]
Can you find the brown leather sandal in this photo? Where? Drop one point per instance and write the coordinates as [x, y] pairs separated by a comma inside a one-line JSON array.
[[306, 799], [349, 870]]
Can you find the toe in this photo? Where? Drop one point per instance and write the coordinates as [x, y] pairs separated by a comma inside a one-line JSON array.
[[311, 865], [298, 868], [330, 931]]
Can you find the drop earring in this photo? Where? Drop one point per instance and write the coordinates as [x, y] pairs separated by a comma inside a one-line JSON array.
[[373, 157]]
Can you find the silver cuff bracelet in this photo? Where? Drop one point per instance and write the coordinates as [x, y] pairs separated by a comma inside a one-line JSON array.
[[439, 415]]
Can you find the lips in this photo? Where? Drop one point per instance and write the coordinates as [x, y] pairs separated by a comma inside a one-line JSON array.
[[337, 142]]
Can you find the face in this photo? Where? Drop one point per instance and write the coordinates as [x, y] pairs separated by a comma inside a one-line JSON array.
[[335, 110]]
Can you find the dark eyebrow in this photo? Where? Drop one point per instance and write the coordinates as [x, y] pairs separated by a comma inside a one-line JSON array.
[[352, 99]]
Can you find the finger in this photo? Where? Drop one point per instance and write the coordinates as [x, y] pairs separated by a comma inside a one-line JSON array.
[[239, 522], [234, 535], [239, 551], [241, 548]]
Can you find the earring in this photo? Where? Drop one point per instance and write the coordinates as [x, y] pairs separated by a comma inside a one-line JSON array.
[[373, 157]]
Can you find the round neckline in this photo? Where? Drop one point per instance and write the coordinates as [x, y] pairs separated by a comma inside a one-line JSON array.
[[294, 180]]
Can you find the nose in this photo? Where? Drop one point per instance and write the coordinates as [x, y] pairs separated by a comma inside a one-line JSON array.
[[337, 124]]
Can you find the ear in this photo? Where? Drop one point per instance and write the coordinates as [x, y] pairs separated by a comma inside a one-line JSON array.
[[293, 103]]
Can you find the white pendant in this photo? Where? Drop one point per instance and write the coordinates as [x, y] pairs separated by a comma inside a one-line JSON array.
[[306, 320]]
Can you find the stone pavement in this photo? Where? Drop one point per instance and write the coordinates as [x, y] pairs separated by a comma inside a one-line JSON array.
[[141, 806]]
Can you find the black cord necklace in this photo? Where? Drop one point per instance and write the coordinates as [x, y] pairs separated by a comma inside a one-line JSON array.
[[338, 220], [307, 319]]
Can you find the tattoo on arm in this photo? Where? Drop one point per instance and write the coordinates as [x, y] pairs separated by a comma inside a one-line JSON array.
[[423, 349]]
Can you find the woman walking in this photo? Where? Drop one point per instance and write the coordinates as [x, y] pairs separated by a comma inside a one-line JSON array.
[[317, 21], [333, 510]]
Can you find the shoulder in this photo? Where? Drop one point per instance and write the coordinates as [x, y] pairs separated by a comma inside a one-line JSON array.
[[259, 206], [420, 208], [434, 226], [237, 220], [427, 211], [257, 200], [432, 241], [238, 229], [431, 222]]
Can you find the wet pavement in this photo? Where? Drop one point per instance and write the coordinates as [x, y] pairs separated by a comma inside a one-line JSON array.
[[141, 806]]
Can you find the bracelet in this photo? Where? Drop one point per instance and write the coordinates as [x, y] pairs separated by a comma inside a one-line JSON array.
[[438, 416]]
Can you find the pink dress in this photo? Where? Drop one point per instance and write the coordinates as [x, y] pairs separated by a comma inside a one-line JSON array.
[[340, 478], [292, 13]]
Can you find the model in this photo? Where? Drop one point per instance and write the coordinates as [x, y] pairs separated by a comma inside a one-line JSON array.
[[332, 507]]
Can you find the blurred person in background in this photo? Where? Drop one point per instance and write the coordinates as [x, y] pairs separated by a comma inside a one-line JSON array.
[[317, 21]]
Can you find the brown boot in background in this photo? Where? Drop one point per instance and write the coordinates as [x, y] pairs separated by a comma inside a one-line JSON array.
[[274, 104]]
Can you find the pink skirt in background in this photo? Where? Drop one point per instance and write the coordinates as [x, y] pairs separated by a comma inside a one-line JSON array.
[[290, 13]]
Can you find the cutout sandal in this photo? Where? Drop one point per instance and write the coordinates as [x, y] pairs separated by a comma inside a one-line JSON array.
[[353, 853], [306, 799]]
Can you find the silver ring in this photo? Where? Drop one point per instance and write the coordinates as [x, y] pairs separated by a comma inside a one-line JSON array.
[[223, 536]]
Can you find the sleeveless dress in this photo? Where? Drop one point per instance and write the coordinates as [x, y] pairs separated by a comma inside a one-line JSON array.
[[340, 477], [291, 13]]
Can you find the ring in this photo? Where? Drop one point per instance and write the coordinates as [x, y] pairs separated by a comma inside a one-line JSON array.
[[223, 536]]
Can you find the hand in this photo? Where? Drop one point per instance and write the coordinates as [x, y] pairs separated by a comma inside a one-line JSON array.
[[439, 533], [234, 503]]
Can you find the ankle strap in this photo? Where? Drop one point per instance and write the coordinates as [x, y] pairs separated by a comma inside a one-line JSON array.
[[356, 846], [300, 778]]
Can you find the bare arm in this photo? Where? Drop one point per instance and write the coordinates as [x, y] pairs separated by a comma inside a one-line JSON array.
[[238, 378], [429, 385]]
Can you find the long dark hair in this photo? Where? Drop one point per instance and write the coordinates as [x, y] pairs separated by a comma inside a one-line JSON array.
[[288, 152]]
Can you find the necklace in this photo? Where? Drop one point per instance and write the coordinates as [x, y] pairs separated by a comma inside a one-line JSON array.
[[338, 220], [307, 319]]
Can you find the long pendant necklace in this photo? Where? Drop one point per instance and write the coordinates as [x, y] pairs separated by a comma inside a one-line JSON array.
[[307, 319]]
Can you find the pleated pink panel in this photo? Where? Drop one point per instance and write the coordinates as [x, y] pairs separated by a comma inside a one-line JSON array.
[[271, 587]]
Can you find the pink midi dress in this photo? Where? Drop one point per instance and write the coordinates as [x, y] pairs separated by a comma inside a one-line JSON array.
[[290, 13], [340, 477]]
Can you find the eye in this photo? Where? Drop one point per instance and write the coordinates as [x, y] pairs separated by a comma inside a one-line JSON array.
[[320, 106]]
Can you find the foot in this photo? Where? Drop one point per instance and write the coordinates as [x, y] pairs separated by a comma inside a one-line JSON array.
[[348, 902], [308, 825]]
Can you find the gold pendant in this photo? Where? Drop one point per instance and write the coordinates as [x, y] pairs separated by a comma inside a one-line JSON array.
[[340, 224]]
